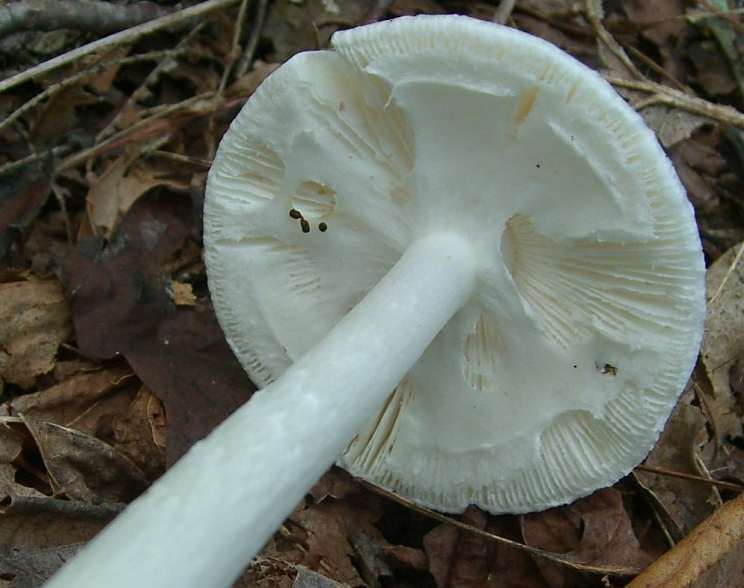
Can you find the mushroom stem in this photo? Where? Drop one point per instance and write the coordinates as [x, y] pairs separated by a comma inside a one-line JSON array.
[[204, 520]]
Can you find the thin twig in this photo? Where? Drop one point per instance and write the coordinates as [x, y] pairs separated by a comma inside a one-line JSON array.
[[232, 59], [91, 17], [503, 12], [127, 36], [378, 11], [74, 79], [732, 267], [594, 15], [162, 119], [143, 91], [259, 16], [657, 69], [13, 166], [690, 477], [670, 97], [146, 127]]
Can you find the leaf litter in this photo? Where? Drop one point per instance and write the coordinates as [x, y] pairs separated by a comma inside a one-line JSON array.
[[112, 362]]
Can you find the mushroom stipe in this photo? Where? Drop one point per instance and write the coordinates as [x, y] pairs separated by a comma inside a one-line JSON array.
[[463, 309]]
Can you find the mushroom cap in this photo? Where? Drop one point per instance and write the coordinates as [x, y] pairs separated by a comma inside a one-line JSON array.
[[558, 375]]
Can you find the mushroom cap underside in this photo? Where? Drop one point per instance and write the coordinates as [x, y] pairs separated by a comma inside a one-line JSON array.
[[558, 375]]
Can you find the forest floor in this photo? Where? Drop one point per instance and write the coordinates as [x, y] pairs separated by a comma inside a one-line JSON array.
[[112, 363]]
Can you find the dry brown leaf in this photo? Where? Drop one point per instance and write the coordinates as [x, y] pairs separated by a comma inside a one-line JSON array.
[[86, 396], [723, 341], [182, 294], [680, 503], [38, 535], [34, 320], [439, 546], [471, 556], [660, 19], [601, 525], [266, 572], [294, 27], [325, 537], [121, 185], [104, 402], [135, 433], [335, 483], [82, 467], [672, 126], [711, 556], [58, 116], [11, 446]]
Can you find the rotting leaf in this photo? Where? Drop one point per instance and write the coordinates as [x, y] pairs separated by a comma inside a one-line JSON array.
[[121, 303], [34, 320], [37, 535], [83, 467]]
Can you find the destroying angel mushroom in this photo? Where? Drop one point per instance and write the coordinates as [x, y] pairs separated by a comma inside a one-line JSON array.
[[462, 268]]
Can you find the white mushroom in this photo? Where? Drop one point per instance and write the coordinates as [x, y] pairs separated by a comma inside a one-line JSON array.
[[504, 307]]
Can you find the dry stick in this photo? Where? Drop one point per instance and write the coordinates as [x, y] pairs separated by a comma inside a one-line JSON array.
[[259, 16], [378, 11], [92, 17], [75, 78], [127, 36], [232, 58], [503, 12], [13, 166], [594, 15], [144, 128], [656, 68], [690, 477], [562, 559], [144, 88], [198, 106], [661, 94], [731, 269]]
